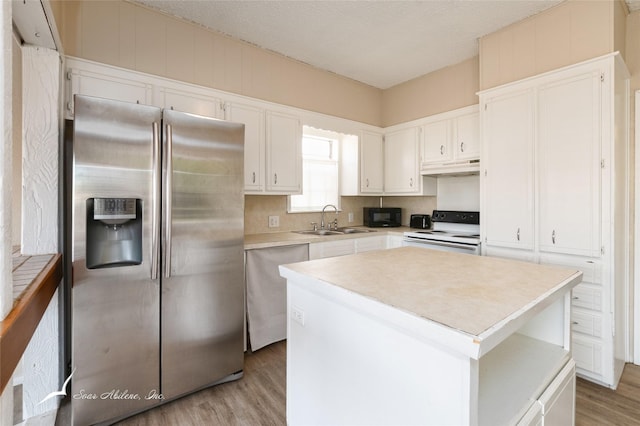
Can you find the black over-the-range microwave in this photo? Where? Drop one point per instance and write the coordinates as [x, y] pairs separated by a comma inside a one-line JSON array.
[[378, 217]]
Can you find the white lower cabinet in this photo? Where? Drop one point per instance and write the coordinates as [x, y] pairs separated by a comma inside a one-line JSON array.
[[344, 247], [533, 416], [379, 242], [556, 405], [558, 400], [323, 249], [394, 241]]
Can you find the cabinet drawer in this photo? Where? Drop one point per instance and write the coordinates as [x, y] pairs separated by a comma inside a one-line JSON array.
[[586, 323], [587, 296], [587, 354], [591, 268]]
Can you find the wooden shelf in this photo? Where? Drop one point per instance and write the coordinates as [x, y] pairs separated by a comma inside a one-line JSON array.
[[18, 327]]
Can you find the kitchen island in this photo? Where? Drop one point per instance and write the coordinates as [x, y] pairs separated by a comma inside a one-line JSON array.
[[417, 336]]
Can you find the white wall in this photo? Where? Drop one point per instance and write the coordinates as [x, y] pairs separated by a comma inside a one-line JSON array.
[[40, 153], [6, 284]]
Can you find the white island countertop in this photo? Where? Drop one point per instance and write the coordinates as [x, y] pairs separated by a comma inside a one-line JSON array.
[[471, 302]]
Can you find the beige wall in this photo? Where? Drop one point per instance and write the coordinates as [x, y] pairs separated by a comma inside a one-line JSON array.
[[134, 37], [571, 32], [258, 208], [443, 90]]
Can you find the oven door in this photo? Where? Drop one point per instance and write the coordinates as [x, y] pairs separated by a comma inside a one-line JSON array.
[[442, 245]]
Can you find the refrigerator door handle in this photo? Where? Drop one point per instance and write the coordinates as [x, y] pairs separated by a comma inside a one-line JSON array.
[[155, 219], [168, 200]]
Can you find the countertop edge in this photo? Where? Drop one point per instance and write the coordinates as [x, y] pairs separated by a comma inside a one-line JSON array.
[[287, 238]]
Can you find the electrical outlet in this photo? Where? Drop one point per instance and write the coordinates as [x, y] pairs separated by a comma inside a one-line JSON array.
[[274, 221], [297, 314], [350, 217]]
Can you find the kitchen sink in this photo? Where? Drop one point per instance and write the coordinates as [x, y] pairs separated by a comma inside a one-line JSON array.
[[320, 232], [354, 230], [339, 231]]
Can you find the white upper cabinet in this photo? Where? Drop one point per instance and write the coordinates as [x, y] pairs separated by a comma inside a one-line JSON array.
[[437, 142], [555, 149], [401, 149], [193, 102], [467, 137], [254, 146], [451, 142], [117, 85], [371, 163], [361, 164], [283, 153], [569, 165], [508, 170], [402, 164]]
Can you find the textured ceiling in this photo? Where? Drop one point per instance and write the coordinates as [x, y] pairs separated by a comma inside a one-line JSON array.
[[381, 43]]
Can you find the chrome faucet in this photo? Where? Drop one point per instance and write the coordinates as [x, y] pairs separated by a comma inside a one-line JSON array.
[[322, 218]]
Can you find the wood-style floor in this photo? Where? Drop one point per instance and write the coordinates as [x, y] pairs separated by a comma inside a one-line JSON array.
[[256, 399], [600, 406], [259, 399]]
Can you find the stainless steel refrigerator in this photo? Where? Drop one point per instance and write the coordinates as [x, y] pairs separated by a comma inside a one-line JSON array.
[[157, 256]]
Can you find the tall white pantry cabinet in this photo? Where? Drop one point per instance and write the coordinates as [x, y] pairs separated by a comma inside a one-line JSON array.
[[554, 189]]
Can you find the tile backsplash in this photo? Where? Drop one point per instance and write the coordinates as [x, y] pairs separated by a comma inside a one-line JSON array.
[[258, 208]]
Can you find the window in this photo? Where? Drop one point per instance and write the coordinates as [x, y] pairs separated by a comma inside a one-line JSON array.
[[319, 171]]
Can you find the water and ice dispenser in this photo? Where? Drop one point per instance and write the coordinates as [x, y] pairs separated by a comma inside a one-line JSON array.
[[114, 232]]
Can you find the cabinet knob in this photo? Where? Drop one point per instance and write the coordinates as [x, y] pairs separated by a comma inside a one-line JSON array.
[[411, 182], [441, 149], [461, 146], [518, 234], [553, 236], [253, 177], [367, 184], [275, 178]]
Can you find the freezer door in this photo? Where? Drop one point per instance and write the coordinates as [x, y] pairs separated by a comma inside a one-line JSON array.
[[203, 247], [115, 310]]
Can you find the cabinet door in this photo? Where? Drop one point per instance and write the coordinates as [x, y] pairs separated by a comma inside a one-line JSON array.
[[467, 138], [331, 249], [508, 178], [283, 151], [558, 400], [105, 86], [569, 165], [254, 133], [437, 142], [401, 149], [371, 163], [194, 103]]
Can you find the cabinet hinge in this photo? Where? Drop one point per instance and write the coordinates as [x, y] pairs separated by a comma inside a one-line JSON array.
[[68, 75], [602, 78]]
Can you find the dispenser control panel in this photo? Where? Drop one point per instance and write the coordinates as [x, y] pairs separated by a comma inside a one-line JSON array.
[[114, 208]]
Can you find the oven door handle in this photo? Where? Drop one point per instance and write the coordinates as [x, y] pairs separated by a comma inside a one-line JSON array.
[[470, 247]]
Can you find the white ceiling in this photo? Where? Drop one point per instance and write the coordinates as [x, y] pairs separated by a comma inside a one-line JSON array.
[[379, 42]]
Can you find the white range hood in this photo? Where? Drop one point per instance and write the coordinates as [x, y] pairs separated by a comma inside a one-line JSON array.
[[460, 168]]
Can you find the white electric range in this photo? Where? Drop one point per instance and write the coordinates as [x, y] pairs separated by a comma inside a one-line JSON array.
[[452, 230]]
